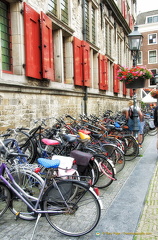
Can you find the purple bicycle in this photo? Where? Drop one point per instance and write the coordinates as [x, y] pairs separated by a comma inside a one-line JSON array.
[[64, 202]]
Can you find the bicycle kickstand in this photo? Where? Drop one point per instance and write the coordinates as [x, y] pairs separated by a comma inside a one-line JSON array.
[[38, 218]]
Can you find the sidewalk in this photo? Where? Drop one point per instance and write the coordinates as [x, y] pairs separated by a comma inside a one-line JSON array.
[[148, 223], [130, 207], [122, 218]]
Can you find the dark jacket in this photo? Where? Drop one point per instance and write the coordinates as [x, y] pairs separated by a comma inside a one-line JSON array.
[[156, 116]]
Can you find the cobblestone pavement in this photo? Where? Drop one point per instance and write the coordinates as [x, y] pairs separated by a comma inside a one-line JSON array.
[[10, 229]]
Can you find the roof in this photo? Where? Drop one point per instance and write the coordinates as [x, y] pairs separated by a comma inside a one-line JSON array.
[[141, 18]]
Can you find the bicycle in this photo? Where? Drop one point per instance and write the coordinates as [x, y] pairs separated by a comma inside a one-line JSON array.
[[61, 207]]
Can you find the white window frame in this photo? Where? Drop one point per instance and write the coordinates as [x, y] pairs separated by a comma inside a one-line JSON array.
[[149, 38], [141, 58], [149, 57], [152, 18]]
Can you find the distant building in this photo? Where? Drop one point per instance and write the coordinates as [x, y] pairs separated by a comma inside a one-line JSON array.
[[148, 56]]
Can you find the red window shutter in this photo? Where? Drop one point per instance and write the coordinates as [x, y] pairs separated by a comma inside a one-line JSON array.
[[101, 81], [32, 42], [103, 74], [86, 63], [115, 80], [131, 93], [78, 67], [125, 9], [124, 89], [131, 22], [47, 47]]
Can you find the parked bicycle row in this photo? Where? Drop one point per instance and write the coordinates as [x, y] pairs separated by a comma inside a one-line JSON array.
[[71, 159]]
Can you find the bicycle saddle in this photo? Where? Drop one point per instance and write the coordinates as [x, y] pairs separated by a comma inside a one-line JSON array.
[[47, 163]]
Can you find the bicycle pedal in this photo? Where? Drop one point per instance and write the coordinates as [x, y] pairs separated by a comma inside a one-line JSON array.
[[17, 216]]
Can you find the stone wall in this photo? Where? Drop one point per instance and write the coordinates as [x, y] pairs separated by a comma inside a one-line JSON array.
[[21, 107]]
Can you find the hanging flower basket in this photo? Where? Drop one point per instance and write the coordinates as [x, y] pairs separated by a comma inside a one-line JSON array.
[[136, 83], [154, 93], [134, 77]]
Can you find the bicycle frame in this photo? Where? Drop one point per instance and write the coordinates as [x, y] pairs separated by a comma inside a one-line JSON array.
[[22, 194], [14, 144]]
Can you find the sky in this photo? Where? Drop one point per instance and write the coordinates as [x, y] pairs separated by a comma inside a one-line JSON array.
[[146, 5]]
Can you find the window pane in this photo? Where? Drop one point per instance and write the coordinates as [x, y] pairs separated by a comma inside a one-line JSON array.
[[87, 19], [5, 36], [52, 6], [152, 56], [139, 57], [93, 25], [152, 38], [149, 20], [155, 19], [152, 80], [64, 11]]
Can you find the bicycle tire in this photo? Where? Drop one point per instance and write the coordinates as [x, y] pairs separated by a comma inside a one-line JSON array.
[[26, 145], [131, 148], [152, 132], [116, 155], [105, 179], [5, 198], [31, 183], [79, 215]]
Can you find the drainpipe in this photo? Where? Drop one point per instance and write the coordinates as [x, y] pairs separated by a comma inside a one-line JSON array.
[[84, 38]]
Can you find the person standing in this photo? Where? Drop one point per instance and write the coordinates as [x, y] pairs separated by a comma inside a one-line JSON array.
[[156, 121], [130, 122]]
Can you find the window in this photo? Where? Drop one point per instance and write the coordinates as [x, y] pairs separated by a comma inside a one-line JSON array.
[[5, 36], [93, 25], [152, 19], [64, 11], [87, 20], [59, 8], [108, 39], [152, 80], [52, 7], [119, 50], [139, 60], [152, 56], [152, 38], [90, 21]]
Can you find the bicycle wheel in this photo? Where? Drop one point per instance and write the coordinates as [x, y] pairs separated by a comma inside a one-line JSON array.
[[5, 198], [116, 155], [31, 183], [28, 146], [152, 132], [131, 148], [75, 216], [107, 175]]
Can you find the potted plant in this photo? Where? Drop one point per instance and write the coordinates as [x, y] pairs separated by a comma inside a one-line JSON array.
[[154, 93], [134, 77]]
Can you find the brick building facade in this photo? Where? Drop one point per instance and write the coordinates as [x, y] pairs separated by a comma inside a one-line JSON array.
[[148, 26]]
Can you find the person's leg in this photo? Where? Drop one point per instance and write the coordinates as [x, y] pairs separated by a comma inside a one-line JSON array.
[[140, 134]]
